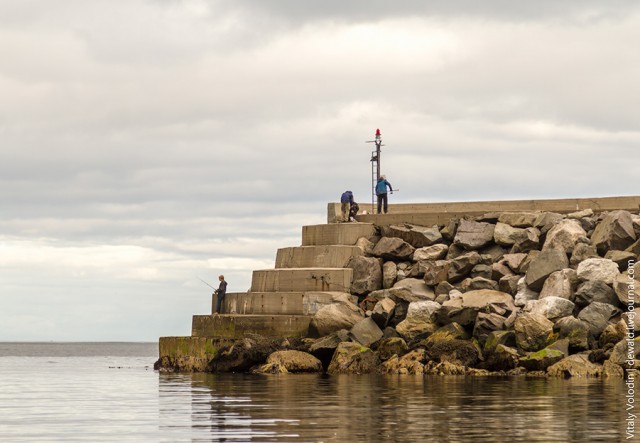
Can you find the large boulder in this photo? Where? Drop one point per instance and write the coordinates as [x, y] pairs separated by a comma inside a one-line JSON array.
[[461, 266], [367, 274], [527, 240], [626, 353], [533, 331], [506, 235], [577, 365], [458, 352], [542, 359], [409, 363], [552, 307], [546, 220], [383, 312], [416, 236], [601, 269], [353, 358], [473, 235], [627, 288], [621, 258], [282, 362], [543, 265], [564, 235], [514, 261], [524, 293], [435, 252], [509, 284], [560, 284], [366, 332], [391, 346], [518, 219], [389, 274], [447, 332], [420, 320], [615, 231], [574, 330], [464, 309], [597, 316], [333, 317], [581, 252], [502, 358], [392, 248], [435, 272], [594, 290], [486, 324], [412, 289]]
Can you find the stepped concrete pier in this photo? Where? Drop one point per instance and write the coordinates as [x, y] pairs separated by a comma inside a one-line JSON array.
[[282, 301]]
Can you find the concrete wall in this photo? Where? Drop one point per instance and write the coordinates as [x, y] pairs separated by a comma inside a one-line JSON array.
[[236, 326], [327, 256], [302, 280], [336, 234], [439, 213], [269, 303]]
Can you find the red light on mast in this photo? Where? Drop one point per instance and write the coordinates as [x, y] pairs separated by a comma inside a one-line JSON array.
[[377, 132]]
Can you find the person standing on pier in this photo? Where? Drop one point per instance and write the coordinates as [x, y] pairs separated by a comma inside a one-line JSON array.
[[220, 292], [381, 192]]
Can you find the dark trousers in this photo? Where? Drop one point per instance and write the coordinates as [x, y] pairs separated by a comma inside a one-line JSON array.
[[382, 200], [219, 303]]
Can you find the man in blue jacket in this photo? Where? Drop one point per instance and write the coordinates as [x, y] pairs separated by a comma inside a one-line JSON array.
[[346, 200], [381, 192]]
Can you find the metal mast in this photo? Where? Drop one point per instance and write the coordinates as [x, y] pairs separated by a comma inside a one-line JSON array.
[[375, 167]]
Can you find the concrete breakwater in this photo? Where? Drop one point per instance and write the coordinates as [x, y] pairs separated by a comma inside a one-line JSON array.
[[507, 292]]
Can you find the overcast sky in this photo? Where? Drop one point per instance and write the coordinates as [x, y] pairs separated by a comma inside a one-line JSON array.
[[145, 143]]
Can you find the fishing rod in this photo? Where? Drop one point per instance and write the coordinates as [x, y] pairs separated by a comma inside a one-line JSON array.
[[206, 283]]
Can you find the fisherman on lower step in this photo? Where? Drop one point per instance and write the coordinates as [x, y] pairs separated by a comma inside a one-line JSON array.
[[220, 292]]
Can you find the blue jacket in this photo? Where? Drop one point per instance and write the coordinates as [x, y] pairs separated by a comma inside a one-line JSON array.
[[381, 187], [347, 197]]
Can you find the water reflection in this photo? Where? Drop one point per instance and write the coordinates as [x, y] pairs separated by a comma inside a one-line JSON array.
[[314, 408]]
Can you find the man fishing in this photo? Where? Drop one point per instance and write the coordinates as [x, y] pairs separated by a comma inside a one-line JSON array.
[[220, 292]]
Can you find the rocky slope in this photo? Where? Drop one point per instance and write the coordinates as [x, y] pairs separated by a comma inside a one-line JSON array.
[[533, 293]]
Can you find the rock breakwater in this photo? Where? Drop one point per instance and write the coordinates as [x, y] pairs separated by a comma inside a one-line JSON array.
[[512, 293]]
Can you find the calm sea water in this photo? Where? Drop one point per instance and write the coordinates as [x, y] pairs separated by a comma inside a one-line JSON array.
[[95, 392]]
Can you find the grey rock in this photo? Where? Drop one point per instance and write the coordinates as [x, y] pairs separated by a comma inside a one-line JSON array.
[[481, 270], [546, 220], [367, 274], [463, 310], [392, 346], [580, 214], [527, 240], [392, 248], [615, 231], [564, 235], [449, 230], [594, 291], [383, 312], [543, 265], [553, 308], [524, 293], [518, 219], [621, 258], [560, 284], [389, 274], [473, 235], [494, 253], [366, 332], [509, 284], [601, 269], [574, 330], [486, 324], [333, 317], [577, 365], [412, 289], [455, 251], [435, 252], [598, 315], [435, 272], [581, 252], [482, 283], [366, 245], [352, 358], [499, 270], [506, 235], [416, 236], [533, 331], [461, 266], [627, 289], [514, 261], [420, 320]]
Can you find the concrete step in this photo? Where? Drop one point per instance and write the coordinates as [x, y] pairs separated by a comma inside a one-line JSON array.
[[302, 280], [326, 256], [239, 326], [269, 303], [336, 233]]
